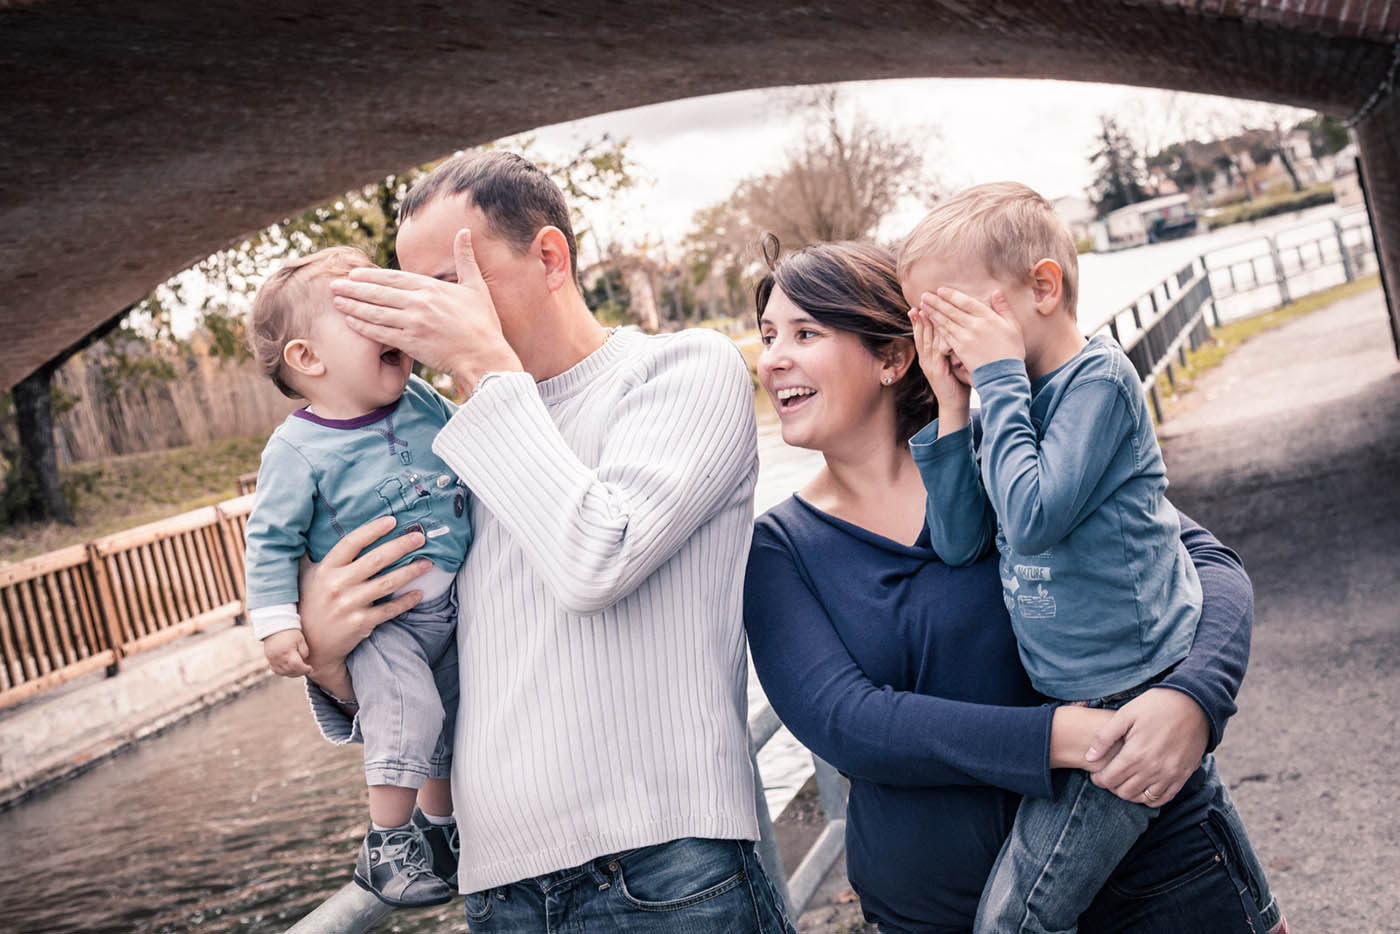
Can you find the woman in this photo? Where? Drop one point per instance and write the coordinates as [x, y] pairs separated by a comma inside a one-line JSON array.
[[903, 672]]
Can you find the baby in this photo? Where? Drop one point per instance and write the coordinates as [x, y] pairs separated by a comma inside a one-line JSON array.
[[1103, 597], [361, 448]]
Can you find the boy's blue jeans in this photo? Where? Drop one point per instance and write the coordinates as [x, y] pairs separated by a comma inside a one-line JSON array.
[[686, 886], [1060, 853], [405, 677]]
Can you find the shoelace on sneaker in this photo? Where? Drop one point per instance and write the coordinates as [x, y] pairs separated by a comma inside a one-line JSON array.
[[396, 847]]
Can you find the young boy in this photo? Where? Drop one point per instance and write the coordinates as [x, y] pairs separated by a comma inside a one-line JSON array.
[[1102, 595], [361, 448]]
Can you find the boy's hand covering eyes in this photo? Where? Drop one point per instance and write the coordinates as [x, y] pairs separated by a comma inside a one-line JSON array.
[[952, 394], [977, 332]]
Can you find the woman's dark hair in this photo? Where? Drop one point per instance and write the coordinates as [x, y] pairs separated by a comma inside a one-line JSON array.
[[852, 287]]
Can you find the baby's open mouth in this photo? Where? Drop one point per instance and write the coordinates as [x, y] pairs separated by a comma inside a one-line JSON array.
[[391, 357]]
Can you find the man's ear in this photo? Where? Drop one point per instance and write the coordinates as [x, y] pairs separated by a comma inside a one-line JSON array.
[[301, 358], [552, 247], [1047, 286]]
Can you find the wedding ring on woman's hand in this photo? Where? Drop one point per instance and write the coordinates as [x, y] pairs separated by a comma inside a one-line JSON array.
[[1149, 796]]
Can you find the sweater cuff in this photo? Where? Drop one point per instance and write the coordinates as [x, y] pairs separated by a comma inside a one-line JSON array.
[[496, 412]]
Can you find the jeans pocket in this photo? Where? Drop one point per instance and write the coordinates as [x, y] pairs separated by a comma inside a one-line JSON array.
[[1192, 856], [480, 907], [1240, 861], [679, 874]]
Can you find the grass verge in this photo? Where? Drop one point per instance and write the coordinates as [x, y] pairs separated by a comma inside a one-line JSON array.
[[1227, 337], [120, 492]]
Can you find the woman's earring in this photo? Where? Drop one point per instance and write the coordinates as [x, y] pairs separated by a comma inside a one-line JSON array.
[[887, 380]]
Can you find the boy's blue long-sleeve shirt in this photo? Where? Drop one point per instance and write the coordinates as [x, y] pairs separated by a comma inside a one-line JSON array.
[[1072, 488], [320, 478], [902, 673]]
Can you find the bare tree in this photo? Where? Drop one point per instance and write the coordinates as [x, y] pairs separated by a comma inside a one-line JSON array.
[[843, 176], [841, 179]]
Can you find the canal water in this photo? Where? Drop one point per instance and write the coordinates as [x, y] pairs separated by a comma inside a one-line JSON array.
[[242, 818]]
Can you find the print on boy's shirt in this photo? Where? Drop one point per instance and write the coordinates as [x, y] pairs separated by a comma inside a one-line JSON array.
[[1037, 605]]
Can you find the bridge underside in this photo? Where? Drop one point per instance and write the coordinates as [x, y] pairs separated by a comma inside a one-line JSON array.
[[136, 138]]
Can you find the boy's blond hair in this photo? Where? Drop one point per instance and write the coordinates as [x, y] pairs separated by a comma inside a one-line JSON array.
[[1006, 225], [287, 302]]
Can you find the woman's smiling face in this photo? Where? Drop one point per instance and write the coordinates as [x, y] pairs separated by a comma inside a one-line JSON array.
[[823, 382]]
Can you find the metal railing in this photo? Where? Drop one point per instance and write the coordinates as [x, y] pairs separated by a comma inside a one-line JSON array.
[[1316, 261], [1177, 313], [1158, 327]]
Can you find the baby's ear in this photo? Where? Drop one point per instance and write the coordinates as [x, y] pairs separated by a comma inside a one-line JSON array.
[[301, 358]]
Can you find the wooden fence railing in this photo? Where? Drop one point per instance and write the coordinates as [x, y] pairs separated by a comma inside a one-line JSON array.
[[86, 607]]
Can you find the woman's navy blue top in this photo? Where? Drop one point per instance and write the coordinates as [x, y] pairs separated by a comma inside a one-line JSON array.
[[903, 674]]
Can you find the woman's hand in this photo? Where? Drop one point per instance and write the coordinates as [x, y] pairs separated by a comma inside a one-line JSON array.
[[337, 605], [1163, 735]]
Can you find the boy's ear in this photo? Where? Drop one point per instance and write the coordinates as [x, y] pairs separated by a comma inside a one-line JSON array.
[[553, 249], [302, 358], [1047, 286]]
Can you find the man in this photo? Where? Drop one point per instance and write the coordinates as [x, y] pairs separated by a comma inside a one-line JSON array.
[[601, 773]]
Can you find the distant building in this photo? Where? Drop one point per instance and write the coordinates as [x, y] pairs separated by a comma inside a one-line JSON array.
[[1149, 221], [1077, 214]]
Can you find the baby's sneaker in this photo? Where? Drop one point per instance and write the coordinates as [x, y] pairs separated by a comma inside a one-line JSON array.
[[443, 844], [396, 866]]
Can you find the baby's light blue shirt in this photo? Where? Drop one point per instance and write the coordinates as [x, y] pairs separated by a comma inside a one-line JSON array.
[[321, 478]]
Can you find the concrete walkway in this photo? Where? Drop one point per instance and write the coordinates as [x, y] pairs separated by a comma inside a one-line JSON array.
[[1290, 452]]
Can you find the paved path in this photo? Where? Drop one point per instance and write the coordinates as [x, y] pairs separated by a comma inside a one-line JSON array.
[[1290, 453]]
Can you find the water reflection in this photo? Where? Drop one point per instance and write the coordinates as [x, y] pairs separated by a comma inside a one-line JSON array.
[[241, 819]]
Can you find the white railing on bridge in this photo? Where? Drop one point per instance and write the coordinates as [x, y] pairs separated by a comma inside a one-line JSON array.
[[1177, 313]]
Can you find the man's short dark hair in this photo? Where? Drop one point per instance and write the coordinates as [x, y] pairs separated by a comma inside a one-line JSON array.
[[516, 196]]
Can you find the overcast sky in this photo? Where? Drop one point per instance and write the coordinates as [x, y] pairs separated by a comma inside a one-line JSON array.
[[692, 152]]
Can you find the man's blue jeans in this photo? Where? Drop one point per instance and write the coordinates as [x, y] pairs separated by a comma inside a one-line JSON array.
[[687, 886]]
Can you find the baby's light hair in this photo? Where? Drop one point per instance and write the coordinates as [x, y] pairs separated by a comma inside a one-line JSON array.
[[1007, 225], [287, 302]]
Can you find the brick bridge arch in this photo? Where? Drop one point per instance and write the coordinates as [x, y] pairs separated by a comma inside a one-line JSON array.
[[138, 137]]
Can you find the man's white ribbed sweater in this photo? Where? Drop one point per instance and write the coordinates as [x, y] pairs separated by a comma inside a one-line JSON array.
[[601, 642]]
